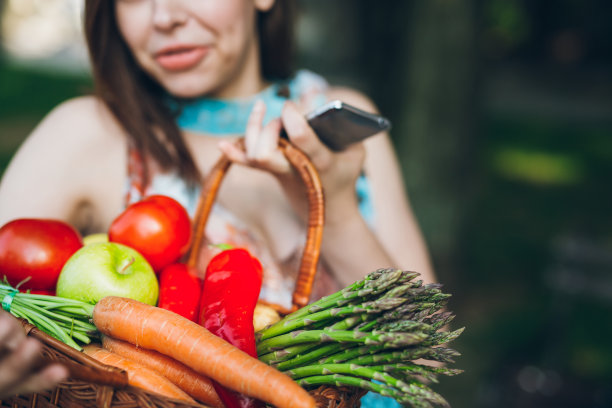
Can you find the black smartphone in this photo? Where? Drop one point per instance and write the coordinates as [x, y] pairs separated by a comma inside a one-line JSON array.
[[338, 124]]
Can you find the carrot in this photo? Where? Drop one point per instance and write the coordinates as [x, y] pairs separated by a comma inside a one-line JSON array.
[[194, 384], [191, 344], [138, 375]]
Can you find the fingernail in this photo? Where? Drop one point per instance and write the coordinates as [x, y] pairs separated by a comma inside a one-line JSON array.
[[58, 372], [259, 105]]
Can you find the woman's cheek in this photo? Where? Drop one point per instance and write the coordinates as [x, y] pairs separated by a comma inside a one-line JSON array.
[[134, 21]]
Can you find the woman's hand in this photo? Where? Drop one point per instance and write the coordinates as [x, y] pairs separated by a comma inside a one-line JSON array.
[[18, 355], [338, 171], [350, 248]]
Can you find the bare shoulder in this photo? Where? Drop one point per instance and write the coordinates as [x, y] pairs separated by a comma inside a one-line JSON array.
[[75, 157], [79, 120], [80, 132], [379, 147], [352, 97]]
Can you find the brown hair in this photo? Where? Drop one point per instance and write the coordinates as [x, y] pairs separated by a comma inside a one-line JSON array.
[[140, 104]]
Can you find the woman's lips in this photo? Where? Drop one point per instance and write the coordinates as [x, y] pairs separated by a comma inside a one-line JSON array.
[[180, 58]]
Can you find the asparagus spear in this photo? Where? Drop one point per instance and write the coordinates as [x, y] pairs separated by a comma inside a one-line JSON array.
[[419, 395], [327, 315], [350, 369], [389, 339], [376, 282]]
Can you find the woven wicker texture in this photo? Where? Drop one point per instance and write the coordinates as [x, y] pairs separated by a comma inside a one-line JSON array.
[[93, 384]]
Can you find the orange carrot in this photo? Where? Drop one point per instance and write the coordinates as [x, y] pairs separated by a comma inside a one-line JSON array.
[[138, 375], [194, 384], [191, 344]]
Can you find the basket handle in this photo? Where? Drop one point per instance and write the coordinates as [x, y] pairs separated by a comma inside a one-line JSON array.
[[316, 214]]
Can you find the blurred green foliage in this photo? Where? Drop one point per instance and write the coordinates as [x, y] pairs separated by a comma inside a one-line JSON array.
[[507, 20], [27, 94], [28, 91]]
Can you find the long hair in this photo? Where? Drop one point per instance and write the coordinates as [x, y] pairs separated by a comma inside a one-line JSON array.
[[138, 101]]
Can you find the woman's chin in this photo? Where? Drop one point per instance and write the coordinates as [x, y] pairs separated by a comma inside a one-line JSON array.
[[189, 92], [187, 87]]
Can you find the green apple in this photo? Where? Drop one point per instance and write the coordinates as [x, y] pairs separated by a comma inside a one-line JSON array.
[[107, 269], [95, 238]]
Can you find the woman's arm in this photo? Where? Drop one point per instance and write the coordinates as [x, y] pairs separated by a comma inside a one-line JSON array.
[[351, 248], [395, 223], [66, 169]]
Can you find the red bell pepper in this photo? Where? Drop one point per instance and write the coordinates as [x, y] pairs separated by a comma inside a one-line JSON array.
[[179, 291], [229, 296]]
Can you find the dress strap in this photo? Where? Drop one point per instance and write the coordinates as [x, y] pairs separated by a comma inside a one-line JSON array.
[[309, 89], [136, 180]]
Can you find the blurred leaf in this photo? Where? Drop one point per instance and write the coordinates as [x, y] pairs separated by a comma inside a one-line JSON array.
[[542, 168], [507, 21]]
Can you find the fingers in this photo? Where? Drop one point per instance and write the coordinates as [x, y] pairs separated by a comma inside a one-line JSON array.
[[18, 357], [254, 125], [11, 333], [233, 152], [16, 364], [302, 135], [265, 153], [267, 143], [261, 144], [46, 379]]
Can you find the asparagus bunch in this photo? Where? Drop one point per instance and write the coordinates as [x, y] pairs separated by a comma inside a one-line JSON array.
[[368, 335]]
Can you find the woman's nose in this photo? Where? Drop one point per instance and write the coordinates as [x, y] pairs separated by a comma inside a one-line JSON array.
[[168, 14]]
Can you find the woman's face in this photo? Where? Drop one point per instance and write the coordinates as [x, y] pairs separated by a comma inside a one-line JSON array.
[[194, 47]]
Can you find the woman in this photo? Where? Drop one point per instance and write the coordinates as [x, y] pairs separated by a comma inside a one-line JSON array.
[[177, 83]]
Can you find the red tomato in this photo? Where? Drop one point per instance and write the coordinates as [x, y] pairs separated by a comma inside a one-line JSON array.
[[48, 292], [158, 227], [36, 248]]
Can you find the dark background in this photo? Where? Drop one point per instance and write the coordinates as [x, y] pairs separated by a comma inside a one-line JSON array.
[[502, 114]]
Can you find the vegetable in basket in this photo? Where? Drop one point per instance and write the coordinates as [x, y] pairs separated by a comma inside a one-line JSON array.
[[368, 335], [231, 289], [158, 329], [67, 320], [33, 251], [194, 384], [180, 290], [157, 226], [138, 375], [373, 335], [163, 331]]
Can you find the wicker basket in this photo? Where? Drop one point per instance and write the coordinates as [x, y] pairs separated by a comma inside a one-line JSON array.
[[92, 384]]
